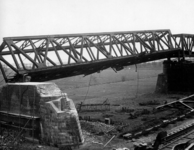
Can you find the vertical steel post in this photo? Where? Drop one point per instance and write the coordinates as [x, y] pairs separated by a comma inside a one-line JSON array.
[[182, 41], [3, 72]]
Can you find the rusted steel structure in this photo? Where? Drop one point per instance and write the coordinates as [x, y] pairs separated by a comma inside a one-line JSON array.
[[105, 106], [51, 57]]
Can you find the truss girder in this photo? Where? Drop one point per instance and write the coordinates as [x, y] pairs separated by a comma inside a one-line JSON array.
[[34, 54], [185, 42]]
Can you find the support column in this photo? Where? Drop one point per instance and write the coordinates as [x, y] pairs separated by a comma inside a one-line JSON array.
[[162, 82]]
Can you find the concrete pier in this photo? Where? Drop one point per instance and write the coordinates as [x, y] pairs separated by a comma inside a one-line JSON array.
[[176, 77]]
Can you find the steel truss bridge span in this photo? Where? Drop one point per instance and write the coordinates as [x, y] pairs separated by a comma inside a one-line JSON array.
[[51, 57]]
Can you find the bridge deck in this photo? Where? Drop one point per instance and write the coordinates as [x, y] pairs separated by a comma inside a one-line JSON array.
[[51, 73]]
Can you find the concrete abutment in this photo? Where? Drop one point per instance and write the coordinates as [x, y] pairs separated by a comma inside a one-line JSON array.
[[43, 110]]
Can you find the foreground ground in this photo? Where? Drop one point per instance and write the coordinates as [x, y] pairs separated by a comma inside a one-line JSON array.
[[125, 89], [94, 141]]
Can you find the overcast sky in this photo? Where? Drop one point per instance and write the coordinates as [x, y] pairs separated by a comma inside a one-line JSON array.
[[45, 17]]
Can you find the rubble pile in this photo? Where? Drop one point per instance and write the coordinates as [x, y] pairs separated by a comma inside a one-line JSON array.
[[97, 127], [10, 139], [88, 137]]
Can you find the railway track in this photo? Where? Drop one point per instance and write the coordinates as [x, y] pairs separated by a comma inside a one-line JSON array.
[[186, 104], [182, 136], [185, 133]]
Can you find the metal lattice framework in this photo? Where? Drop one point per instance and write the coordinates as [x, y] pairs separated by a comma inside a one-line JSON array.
[[56, 56], [185, 42]]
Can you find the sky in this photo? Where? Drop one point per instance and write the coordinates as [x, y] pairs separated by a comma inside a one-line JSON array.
[[47, 17]]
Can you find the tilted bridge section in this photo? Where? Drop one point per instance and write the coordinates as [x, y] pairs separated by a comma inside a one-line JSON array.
[[52, 57]]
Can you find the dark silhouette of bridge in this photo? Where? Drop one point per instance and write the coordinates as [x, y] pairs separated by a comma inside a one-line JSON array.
[[51, 57]]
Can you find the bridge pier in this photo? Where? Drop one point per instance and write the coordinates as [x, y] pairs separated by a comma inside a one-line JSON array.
[[176, 77]]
